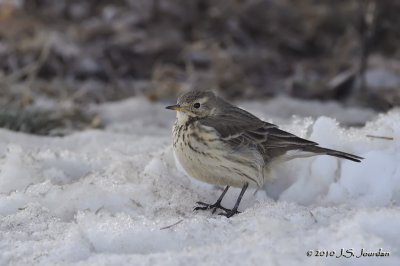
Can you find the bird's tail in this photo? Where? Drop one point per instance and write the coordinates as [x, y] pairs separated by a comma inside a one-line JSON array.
[[339, 154]]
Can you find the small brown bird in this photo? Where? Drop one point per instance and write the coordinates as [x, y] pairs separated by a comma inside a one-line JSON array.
[[219, 143]]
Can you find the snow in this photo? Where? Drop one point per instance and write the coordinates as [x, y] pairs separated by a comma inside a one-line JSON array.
[[116, 197]]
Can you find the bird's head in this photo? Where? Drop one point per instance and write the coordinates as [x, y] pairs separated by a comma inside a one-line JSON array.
[[197, 104]]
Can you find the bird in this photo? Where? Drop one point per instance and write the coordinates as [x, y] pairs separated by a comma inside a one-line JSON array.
[[221, 144]]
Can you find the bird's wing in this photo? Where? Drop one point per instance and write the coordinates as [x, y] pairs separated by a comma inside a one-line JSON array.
[[240, 129]]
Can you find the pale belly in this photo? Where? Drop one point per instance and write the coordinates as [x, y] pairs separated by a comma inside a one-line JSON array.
[[213, 164]]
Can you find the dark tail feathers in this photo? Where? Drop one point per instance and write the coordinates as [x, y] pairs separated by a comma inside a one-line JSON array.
[[330, 152]]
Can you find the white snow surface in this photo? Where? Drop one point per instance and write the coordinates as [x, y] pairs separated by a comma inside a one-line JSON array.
[[116, 197]]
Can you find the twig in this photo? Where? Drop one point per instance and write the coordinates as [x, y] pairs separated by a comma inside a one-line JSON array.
[[368, 15], [380, 137], [98, 210], [43, 56], [169, 226], [313, 216], [31, 69]]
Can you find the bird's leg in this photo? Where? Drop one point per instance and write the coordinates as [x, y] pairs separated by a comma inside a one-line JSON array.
[[230, 213], [215, 206]]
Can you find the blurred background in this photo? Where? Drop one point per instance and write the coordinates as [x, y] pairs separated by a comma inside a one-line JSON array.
[[59, 57]]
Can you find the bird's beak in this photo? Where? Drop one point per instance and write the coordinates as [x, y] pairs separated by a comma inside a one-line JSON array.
[[175, 107]]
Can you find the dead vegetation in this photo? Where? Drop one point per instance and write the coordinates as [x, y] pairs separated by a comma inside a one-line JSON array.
[[76, 52]]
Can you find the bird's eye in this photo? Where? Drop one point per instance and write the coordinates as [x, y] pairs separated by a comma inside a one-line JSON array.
[[196, 105]]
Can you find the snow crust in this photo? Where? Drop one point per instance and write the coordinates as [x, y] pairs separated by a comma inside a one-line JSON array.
[[116, 196]]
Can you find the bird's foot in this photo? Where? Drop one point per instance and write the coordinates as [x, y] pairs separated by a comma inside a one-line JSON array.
[[229, 213], [206, 206]]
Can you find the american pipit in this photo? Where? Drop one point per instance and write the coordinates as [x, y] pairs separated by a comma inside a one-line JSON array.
[[221, 144]]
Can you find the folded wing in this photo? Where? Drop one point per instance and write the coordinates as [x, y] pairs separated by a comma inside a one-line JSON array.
[[240, 129]]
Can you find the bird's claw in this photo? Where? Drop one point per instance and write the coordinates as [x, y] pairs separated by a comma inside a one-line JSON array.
[[207, 206]]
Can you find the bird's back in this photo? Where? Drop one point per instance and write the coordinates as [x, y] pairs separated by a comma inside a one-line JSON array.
[[240, 129]]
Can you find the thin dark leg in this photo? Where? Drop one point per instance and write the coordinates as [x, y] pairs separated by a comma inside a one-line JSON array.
[[215, 206], [230, 213]]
